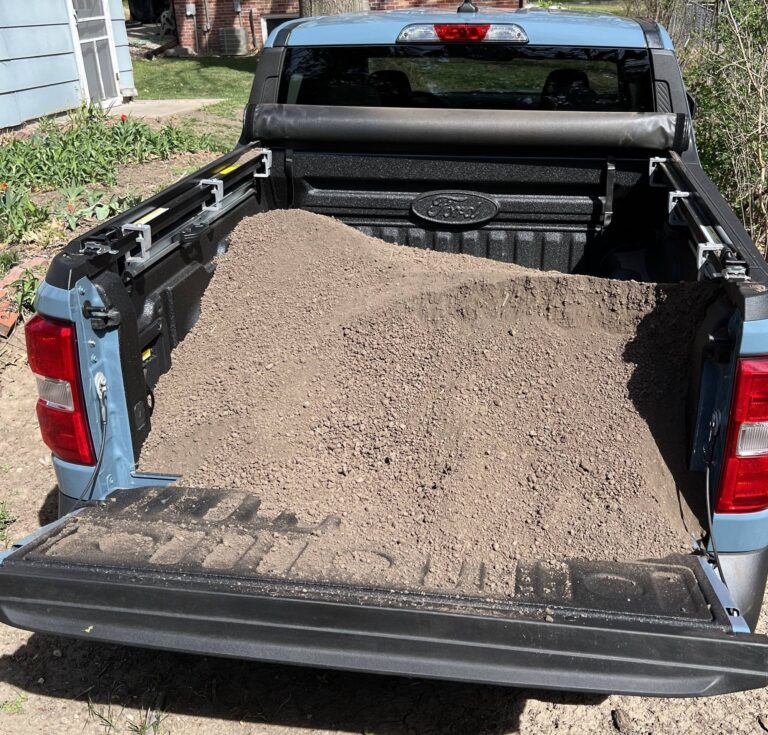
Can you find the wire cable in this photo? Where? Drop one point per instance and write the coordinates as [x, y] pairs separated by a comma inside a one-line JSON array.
[[709, 451], [90, 485], [711, 531]]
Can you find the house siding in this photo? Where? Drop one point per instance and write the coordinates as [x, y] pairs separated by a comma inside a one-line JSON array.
[[124, 64], [38, 67]]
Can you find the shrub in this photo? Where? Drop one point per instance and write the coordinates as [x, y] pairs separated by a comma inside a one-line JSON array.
[[728, 75]]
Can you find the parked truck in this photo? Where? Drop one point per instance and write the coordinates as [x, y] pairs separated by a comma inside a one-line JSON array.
[[542, 138]]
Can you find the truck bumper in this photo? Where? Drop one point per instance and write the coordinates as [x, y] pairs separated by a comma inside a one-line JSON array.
[[652, 628], [746, 574]]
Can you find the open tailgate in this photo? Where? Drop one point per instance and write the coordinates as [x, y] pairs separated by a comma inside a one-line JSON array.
[[169, 568]]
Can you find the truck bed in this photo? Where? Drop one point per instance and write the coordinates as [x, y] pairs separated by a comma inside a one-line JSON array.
[[453, 407]]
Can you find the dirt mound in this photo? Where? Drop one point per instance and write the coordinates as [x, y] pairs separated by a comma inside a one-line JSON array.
[[442, 405]]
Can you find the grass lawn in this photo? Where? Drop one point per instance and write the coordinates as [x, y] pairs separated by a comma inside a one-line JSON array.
[[229, 79]]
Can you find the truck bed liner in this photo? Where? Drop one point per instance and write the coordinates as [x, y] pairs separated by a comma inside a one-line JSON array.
[[640, 628]]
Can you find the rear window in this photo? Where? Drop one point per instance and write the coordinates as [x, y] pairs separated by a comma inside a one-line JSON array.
[[469, 76]]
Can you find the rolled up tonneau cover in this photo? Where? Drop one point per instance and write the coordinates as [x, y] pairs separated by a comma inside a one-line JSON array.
[[469, 128]]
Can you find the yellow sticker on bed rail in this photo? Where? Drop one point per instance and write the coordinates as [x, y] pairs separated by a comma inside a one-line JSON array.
[[228, 169], [147, 218]]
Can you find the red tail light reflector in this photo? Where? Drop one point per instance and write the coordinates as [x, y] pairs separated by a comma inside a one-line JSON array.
[[744, 479], [52, 356]]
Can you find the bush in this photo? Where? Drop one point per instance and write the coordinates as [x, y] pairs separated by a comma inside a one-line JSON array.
[[88, 148], [728, 75]]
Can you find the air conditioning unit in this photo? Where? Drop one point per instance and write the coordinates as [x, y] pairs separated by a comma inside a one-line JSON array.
[[233, 41]]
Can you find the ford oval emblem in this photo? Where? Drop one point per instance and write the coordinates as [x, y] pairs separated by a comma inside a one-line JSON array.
[[454, 208]]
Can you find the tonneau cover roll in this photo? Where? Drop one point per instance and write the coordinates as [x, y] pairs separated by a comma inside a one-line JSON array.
[[469, 128]]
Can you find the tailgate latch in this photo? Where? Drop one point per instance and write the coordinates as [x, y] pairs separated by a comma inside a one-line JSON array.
[[101, 317]]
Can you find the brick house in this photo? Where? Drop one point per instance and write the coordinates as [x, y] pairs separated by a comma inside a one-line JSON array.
[[256, 18]]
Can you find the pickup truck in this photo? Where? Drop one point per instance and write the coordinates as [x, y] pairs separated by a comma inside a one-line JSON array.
[[562, 137]]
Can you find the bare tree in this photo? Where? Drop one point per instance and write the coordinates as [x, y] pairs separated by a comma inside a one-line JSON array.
[[729, 77], [659, 10], [331, 7]]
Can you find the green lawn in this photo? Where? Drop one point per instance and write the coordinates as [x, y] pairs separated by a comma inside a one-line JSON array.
[[229, 79]]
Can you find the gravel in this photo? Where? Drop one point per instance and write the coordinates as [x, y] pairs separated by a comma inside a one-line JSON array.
[[443, 405]]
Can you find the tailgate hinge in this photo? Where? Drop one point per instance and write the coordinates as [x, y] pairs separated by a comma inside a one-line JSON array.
[[734, 266]]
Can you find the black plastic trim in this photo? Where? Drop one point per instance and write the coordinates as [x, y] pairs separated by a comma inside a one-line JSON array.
[[281, 39], [190, 615], [651, 32], [653, 627]]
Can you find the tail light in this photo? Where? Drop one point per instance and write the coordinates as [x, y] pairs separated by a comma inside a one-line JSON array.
[[52, 355], [744, 479], [467, 32], [461, 31]]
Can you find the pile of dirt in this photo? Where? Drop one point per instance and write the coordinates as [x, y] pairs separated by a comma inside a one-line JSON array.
[[442, 405]]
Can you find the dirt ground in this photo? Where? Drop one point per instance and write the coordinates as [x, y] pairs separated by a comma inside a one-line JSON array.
[[50, 685]]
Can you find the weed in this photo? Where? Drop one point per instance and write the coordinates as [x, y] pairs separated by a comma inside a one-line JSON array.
[[8, 259], [25, 290], [6, 519], [102, 717], [13, 706], [18, 213], [149, 722]]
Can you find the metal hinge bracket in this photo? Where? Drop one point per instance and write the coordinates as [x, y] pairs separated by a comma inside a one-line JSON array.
[[143, 237], [673, 198], [217, 185], [702, 249], [266, 156], [610, 182], [653, 164]]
